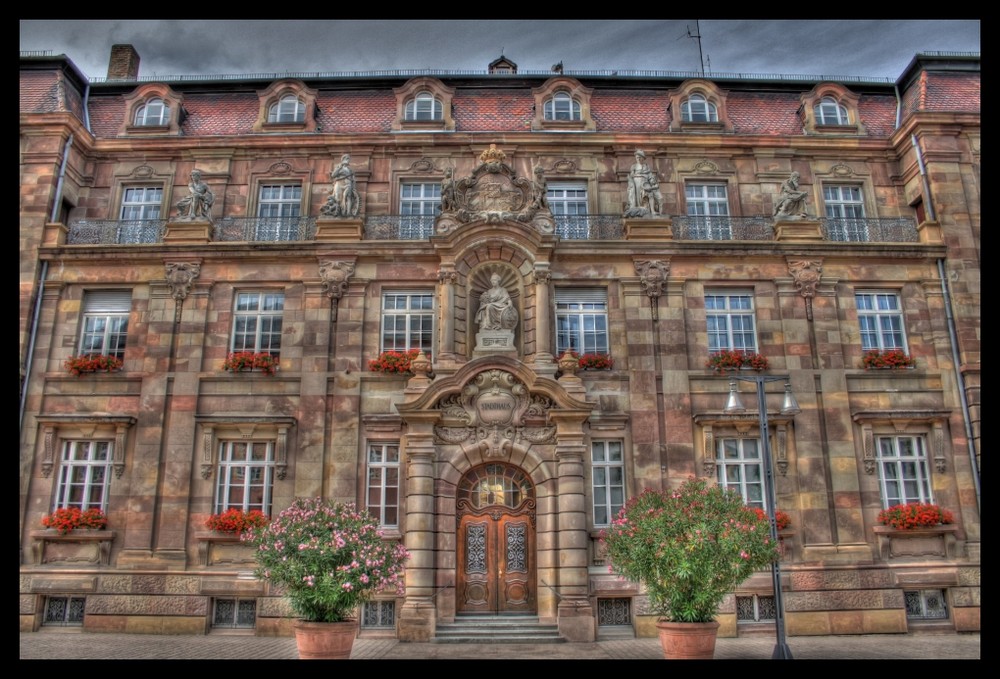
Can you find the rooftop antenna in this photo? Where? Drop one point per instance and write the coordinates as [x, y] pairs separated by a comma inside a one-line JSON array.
[[697, 36]]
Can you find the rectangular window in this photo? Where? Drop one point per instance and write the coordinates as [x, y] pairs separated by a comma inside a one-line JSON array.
[[105, 322], [880, 318], [84, 475], [383, 482], [278, 209], [378, 615], [64, 611], [738, 466], [234, 613], [582, 320], [568, 203], [141, 202], [926, 604], [755, 608], [844, 206], [729, 317], [257, 322], [903, 471], [419, 205], [246, 476], [708, 208], [608, 471], [614, 612], [407, 321]]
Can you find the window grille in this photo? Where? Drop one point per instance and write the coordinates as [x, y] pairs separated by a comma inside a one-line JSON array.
[[234, 613], [614, 612], [64, 611]]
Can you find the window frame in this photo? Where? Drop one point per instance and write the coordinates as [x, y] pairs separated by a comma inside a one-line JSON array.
[[283, 226], [582, 304], [562, 89], [409, 313], [67, 479], [562, 107], [419, 223], [387, 513], [742, 461], [412, 110], [728, 312], [273, 346], [878, 317], [844, 209], [144, 205], [708, 114], [921, 476], [142, 116], [227, 466], [113, 309], [829, 111], [603, 485], [709, 214], [569, 223], [277, 115]]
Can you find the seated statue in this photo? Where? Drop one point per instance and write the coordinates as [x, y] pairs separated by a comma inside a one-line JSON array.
[[791, 201], [496, 309], [198, 203]]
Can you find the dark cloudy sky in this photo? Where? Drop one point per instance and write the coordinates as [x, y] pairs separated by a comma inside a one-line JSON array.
[[876, 48]]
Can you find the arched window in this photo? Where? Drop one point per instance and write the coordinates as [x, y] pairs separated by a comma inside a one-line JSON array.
[[829, 112], [423, 107], [153, 113], [697, 109], [562, 107], [288, 109]]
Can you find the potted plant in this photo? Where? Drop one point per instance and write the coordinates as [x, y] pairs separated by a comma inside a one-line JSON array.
[[236, 521], [689, 547], [730, 359], [914, 515], [393, 361], [892, 359], [330, 558], [90, 363], [596, 362], [68, 519], [247, 360]]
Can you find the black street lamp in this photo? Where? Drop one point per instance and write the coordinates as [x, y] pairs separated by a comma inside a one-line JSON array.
[[788, 407]]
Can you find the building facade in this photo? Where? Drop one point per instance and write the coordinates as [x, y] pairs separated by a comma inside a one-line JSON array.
[[568, 252]]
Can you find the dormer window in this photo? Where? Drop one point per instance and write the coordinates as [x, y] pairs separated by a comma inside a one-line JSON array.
[[562, 107], [829, 112], [154, 113], [697, 109], [424, 107], [288, 109]]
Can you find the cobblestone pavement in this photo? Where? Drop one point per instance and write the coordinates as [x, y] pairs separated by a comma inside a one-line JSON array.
[[56, 645]]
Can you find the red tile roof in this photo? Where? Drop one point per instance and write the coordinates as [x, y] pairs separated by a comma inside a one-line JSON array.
[[952, 92], [40, 92]]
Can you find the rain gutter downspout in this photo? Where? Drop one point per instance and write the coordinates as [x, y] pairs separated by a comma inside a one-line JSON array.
[[952, 333]]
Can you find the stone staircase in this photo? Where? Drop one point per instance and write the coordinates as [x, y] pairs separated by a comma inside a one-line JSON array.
[[496, 629]]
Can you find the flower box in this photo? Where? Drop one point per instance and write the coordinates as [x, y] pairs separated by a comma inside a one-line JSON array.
[[92, 363], [894, 359], [67, 519], [236, 521], [85, 546], [394, 362], [596, 362], [240, 361], [917, 543], [224, 549], [727, 360]]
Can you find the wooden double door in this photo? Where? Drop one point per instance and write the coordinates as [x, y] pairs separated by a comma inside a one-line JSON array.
[[496, 560]]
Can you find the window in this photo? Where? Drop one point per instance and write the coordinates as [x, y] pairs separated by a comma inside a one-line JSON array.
[[614, 612], [903, 472], [234, 613], [153, 113], [608, 471], [829, 112], [844, 205], [278, 209], [880, 318], [141, 202], [729, 317], [64, 611], [756, 608], [582, 320], [568, 203], [105, 322], [378, 615], [257, 322], [423, 107], [288, 109], [739, 468], [84, 475], [709, 205], [407, 321], [926, 604], [383, 482], [697, 109], [561, 106], [419, 204], [246, 476]]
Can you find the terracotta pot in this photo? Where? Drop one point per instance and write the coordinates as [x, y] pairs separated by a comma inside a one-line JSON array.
[[325, 640], [688, 640]]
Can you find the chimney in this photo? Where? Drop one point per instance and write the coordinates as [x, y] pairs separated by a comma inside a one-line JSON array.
[[124, 63]]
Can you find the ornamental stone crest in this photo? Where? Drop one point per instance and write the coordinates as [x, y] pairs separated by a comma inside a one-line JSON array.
[[180, 275], [494, 193], [334, 274], [805, 273], [493, 412]]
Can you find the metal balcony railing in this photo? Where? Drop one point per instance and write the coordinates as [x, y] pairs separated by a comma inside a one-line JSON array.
[[589, 227], [756, 227], [399, 227], [871, 230], [265, 229], [116, 231]]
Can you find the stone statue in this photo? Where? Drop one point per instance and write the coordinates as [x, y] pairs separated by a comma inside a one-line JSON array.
[[344, 200], [496, 309], [448, 191], [197, 205], [644, 196], [791, 201], [539, 190]]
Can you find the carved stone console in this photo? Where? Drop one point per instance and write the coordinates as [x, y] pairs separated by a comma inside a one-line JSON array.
[[78, 547]]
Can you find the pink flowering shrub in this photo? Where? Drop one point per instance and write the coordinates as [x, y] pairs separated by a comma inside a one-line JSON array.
[[689, 547], [330, 557]]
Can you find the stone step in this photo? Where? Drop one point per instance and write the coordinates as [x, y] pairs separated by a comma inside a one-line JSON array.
[[514, 629]]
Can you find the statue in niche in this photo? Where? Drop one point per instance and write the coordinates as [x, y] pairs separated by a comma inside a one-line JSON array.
[[791, 202], [344, 200], [496, 308], [197, 205], [448, 191], [539, 190], [644, 196]]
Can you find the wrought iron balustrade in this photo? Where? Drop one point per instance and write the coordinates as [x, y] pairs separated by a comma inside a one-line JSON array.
[[697, 227], [116, 231], [871, 230], [589, 227], [399, 227], [265, 229]]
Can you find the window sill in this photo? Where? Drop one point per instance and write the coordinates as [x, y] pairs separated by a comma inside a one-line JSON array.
[[148, 130], [223, 549], [691, 126], [916, 543], [78, 547], [836, 129]]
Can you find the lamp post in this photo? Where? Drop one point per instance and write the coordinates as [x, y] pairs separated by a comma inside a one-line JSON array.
[[788, 407]]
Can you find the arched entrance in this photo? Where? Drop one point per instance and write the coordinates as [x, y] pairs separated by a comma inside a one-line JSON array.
[[495, 505]]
